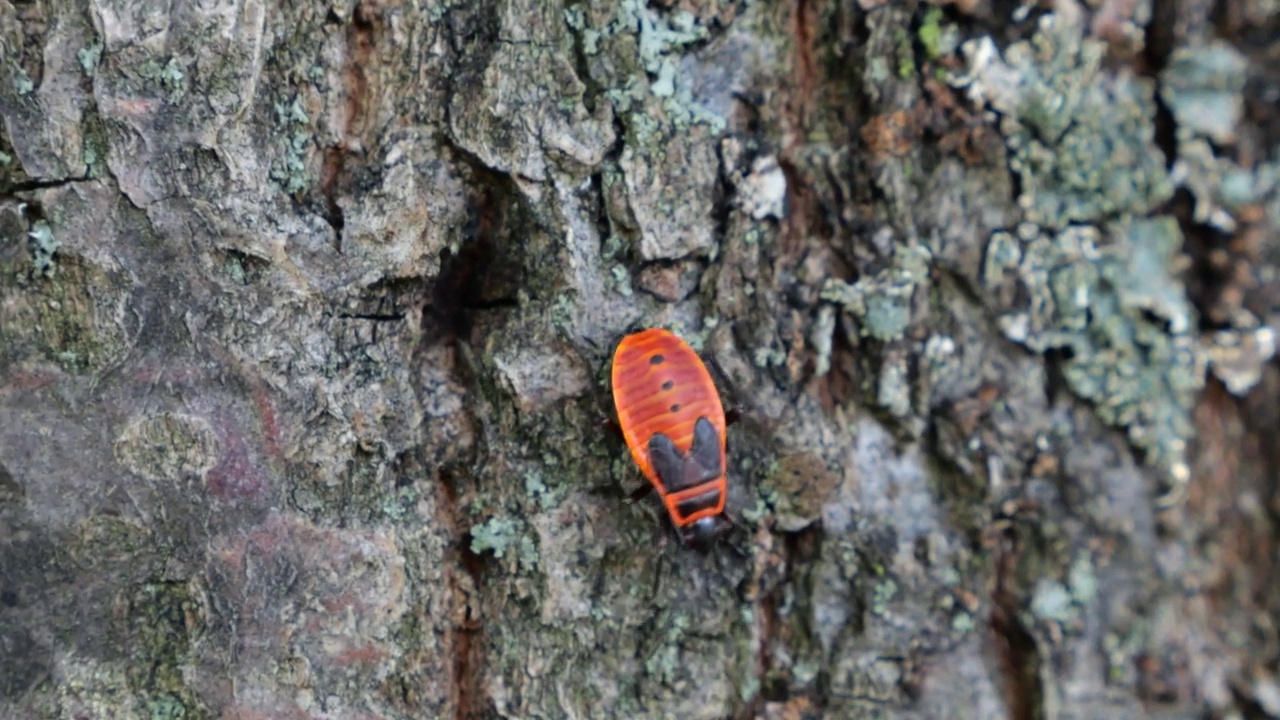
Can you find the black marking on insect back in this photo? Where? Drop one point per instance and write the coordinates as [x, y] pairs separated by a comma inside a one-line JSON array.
[[705, 450], [675, 408], [701, 501], [666, 460], [657, 359], [678, 471], [668, 384]]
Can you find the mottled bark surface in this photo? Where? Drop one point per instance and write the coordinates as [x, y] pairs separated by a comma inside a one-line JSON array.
[[306, 313]]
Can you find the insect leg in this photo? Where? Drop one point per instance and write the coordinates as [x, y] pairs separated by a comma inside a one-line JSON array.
[[613, 427], [727, 522], [639, 494], [659, 566], [731, 416], [737, 549], [723, 381]]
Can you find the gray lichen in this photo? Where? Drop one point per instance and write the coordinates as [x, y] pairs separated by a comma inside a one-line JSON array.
[[89, 57], [496, 534], [882, 302], [169, 446], [1085, 274], [1203, 87], [1109, 302], [672, 106], [1238, 357], [290, 170], [44, 246], [1213, 182], [1080, 140]]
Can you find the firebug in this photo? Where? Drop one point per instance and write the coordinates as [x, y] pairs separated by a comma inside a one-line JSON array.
[[670, 414]]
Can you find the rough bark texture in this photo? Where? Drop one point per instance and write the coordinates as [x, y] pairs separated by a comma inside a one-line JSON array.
[[306, 312]]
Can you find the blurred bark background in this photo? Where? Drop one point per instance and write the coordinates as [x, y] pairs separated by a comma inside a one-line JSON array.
[[306, 312]]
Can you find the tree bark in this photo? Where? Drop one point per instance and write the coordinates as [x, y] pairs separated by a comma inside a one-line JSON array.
[[306, 314]]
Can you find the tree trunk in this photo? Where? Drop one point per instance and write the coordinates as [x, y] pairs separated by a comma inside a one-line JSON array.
[[306, 315]]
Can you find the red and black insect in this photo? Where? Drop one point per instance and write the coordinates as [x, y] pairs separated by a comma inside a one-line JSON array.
[[671, 417]]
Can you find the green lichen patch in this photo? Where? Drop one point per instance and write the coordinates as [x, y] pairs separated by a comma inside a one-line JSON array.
[[167, 78], [22, 82], [1066, 603], [1221, 188], [639, 55], [44, 246], [1238, 358], [1052, 602], [93, 145], [536, 488], [497, 534], [1224, 191], [1246, 203], [1110, 306], [75, 319], [794, 488], [164, 619], [1081, 140], [936, 38], [92, 689], [881, 302], [1107, 302], [1204, 88], [89, 57], [294, 136], [174, 80], [645, 38], [169, 445], [109, 543]]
